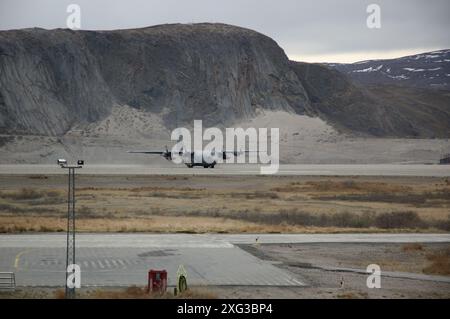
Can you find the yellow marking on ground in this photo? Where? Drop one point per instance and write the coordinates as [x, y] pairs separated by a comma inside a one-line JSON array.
[[17, 259]]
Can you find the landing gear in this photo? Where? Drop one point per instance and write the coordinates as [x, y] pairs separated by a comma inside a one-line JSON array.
[[205, 165], [212, 164]]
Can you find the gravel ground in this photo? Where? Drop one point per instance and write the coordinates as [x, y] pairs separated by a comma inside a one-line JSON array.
[[300, 259]]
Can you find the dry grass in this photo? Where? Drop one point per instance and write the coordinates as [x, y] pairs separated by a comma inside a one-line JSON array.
[[134, 292], [197, 293], [348, 185], [412, 247], [168, 224], [127, 293], [431, 259], [27, 193], [59, 294], [400, 220], [421, 199], [439, 263], [352, 295], [229, 204]]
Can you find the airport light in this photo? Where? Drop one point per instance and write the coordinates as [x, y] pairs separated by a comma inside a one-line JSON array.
[[70, 244]]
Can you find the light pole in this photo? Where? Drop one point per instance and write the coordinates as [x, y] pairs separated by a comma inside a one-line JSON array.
[[70, 246]]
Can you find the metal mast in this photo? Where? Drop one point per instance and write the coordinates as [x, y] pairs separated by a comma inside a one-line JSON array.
[[70, 247], [70, 243]]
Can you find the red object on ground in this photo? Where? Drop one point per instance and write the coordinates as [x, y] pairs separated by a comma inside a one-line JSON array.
[[157, 280]]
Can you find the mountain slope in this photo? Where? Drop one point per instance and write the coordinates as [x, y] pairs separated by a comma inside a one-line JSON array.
[[51, 80], [378, 110], [55, 82], [426, 70], [48, 81]]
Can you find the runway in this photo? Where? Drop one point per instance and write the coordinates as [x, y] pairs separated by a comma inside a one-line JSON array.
[[124, 259], [238, 169]]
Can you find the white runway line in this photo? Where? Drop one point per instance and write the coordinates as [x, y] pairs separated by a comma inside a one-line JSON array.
[[240, 169]]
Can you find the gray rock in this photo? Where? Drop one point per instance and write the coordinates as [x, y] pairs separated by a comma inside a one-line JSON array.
[[51, 80], [425, 70], [55, 81]]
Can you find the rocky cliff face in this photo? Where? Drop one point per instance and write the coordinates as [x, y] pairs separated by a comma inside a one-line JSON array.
[[52, 80], [57, 81], [49, 80]]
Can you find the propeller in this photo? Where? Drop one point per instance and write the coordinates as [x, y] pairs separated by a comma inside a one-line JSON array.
[[167, 155]]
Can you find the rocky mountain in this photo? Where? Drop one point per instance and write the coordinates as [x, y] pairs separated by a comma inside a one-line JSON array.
[[379, 110], [426, 70], [53, 79], [55, 82]]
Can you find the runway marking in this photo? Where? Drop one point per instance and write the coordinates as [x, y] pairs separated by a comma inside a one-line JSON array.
[[265, 281], [297, 282], [289, 280], [17, 259], [128, 262]]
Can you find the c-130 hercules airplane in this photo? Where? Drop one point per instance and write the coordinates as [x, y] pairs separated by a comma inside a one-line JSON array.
[[195, 158]]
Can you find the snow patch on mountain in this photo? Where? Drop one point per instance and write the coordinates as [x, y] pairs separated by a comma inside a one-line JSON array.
[[421, 70], [371, 69]]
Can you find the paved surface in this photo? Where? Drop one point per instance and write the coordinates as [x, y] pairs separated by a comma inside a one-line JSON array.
[[334, 238], [240, 169], [124, 259]]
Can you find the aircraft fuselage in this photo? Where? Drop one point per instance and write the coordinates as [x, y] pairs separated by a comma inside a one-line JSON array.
[[200, 158]]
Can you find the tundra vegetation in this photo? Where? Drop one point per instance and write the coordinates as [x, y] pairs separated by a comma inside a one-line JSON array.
[[227, 204]]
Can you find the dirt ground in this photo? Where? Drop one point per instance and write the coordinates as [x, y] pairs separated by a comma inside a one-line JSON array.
[[306, 260], [105, 293], [233, 204]]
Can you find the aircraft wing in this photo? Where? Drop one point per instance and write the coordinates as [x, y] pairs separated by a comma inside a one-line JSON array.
[[236, 153], [147, 152]]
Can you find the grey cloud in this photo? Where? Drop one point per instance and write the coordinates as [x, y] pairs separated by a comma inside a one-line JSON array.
[[300, 27]]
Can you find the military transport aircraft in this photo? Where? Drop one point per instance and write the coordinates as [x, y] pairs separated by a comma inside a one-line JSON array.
[[195, 158]]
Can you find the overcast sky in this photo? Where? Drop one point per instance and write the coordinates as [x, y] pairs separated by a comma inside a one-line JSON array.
[[314, 31]]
